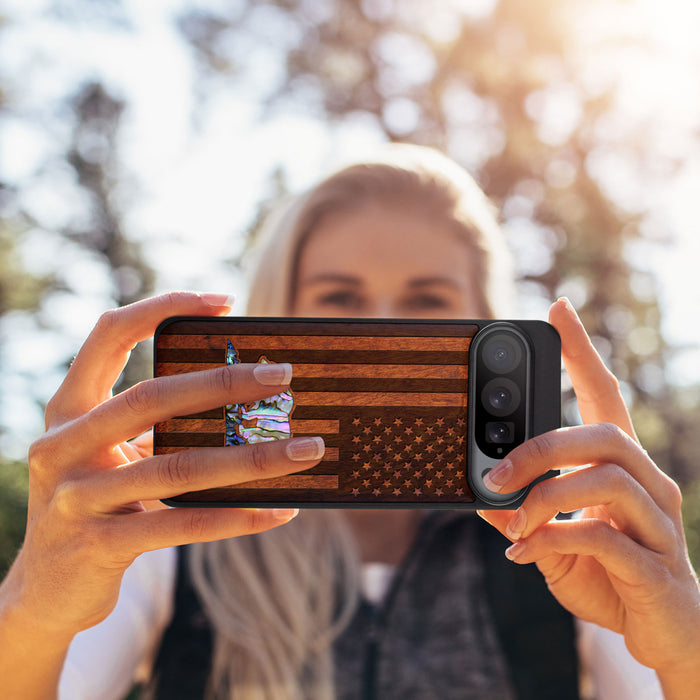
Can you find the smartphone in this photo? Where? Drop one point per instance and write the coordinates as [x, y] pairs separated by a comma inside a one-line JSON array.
[[413, 413]]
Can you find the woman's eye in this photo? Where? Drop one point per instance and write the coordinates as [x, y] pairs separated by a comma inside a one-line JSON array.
[[427, 302], [341, 300]]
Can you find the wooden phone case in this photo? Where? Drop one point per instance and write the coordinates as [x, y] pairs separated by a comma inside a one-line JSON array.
[[389, 398]]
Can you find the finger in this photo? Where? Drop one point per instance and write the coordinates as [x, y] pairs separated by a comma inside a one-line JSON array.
[[105, 352], [497, 518], [141, 532], [156, 400], [170, 475], [596, 388], [614, 550], [583, 444], [143, 444], [608, 486]]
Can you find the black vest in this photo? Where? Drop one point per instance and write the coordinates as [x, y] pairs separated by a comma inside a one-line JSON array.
[[535, 635]]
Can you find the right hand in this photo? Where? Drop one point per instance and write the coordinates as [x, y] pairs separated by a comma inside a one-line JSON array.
[[88, 514]]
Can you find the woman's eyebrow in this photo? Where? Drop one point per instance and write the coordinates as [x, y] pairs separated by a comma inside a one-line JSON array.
[[332, 277], [432, 281]]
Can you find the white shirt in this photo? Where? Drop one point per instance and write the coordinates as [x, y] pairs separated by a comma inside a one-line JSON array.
[[104, 661]]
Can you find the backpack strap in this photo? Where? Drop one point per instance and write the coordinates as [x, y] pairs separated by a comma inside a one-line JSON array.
[[183, 664], [536, 633]]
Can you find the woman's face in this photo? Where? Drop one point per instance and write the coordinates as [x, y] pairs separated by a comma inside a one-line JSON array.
[[385, 261]]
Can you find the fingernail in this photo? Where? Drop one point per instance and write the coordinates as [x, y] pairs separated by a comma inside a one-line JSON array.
[[515, 550], [218, 299], [285, 514], [569, 306], [498, 477], [304, 449], [516, 525], [273, 374]]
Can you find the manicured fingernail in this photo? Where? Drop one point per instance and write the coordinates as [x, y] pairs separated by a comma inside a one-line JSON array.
[[304, 449], [218, 299], [516, 525], [273, 374], [499, 476], [569, 306], [515, 550], [285, 514]]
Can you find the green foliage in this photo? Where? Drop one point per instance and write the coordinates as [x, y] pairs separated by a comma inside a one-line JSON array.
[[691, 521], [14, 484]]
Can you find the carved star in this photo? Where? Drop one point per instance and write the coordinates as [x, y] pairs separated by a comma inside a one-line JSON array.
[[377, 421], [397, 492], [418, 492], [367, 430], [439, 422], [365, 483], [418, 421], [366, 466], [356, 421], [356, 439], [460, 492], [356, 492], [356, 456], [398, 421], [356, 474], [375, 492]]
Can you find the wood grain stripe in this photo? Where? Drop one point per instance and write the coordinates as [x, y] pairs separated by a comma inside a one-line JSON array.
[[366, 357], [368, 398], [302, 370], [331, 454], [294, 481], [313, 342], [212, 425]]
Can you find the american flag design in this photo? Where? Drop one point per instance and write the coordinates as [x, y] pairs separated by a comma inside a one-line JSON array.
[[388, 398]]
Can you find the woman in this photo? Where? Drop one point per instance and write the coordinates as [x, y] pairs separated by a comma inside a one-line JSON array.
[[411, 236]]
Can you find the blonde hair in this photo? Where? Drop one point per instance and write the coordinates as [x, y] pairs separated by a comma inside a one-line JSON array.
[[277, 600], [404, 175]]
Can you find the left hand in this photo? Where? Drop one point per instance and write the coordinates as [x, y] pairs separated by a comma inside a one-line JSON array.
[[624, 564]]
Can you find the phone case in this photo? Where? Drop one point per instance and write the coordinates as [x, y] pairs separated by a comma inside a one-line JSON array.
[[389, 398]]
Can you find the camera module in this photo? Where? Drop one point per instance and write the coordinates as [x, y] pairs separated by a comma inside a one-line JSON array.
[[500, 432], [502, 353], [500, 396]]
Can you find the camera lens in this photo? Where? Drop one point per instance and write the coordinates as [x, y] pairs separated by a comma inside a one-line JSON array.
[[500, 396], [499, 432], [502, 353]]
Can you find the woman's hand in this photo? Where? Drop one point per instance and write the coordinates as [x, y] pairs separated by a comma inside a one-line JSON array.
[[88, 517], [624, 564]]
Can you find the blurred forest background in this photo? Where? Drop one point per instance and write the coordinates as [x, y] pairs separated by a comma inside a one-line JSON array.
[[579, 118]]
